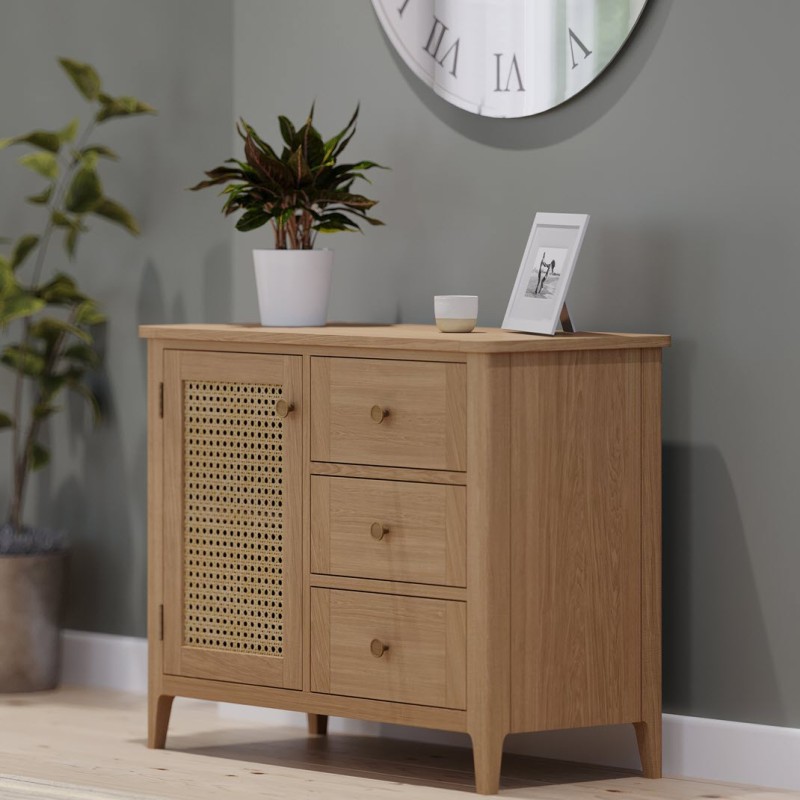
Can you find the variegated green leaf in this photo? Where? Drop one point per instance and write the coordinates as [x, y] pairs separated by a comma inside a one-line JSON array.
[[84, 76], [45, 164], [22, 249]]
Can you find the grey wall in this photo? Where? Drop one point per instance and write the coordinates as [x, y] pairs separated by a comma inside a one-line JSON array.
[[177, 56], [687, 155]]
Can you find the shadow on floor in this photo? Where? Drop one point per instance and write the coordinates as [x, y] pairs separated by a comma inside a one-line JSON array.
[[397, 761]]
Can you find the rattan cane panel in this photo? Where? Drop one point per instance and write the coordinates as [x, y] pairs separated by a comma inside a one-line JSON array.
[[233, 517]]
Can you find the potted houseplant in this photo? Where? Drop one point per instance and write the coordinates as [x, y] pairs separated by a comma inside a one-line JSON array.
[[46, 323], [300, 191]]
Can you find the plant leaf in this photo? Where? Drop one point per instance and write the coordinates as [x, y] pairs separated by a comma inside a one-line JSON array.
[[84, 76], [288, 132], [69, 131], [274, 170], [88, 313], [50, 328], [122, 107], [43, 410], [99, 150], [85, 191], [61, 291], [22, 249], [113, 211], [16, 303], [44, 140], [84, 391], [43, 198], [24, 360], [50, 385], [42, 162], [40, 456], [253, 219], [83, 354], [5, 420]]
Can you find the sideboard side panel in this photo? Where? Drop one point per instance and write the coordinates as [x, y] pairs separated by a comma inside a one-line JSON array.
[[576, 454]]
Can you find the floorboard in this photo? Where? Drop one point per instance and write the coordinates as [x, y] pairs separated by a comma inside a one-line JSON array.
[[80, 743]]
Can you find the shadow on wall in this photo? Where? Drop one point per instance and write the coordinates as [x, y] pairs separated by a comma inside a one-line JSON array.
[[714, 630], [564, 121]]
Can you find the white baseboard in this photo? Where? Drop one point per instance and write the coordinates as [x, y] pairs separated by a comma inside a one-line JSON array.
[[694, 747], [104, 661]]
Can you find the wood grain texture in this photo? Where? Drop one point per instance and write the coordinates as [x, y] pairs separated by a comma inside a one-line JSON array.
[[180, 659], [488, 564], [575, 521], [446, 719], [320, 640], [306, 501], [648, 731], [425, 426], [425, 640], [388, 473], [159, 709], [425, 338], [425, 524]]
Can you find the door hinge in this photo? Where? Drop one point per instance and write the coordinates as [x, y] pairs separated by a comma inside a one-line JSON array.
[[161, 623], [161, 400]]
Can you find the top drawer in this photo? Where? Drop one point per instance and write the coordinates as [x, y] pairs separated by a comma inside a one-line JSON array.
[[389, 413]]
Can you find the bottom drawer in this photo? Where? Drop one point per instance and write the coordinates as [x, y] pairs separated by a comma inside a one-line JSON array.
[[387, 647]]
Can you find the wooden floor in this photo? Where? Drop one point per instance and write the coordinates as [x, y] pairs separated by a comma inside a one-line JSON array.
[[92, 743]]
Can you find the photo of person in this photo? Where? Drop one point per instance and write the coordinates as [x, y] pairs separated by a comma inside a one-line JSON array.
[[545, 273]]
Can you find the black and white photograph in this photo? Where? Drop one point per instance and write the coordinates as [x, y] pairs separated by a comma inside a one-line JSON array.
[[545, 273]]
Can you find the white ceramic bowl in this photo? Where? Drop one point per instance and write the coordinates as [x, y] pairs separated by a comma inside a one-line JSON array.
[[455, 313]]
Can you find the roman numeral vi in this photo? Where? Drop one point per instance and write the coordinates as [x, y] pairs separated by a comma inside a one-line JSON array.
[[513, 69]]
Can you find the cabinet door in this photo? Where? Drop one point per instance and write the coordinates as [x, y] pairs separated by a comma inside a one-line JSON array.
[[232, 517]]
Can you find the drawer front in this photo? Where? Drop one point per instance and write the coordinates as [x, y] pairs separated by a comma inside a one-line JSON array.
[[424, 405], [425, 659], [388, 530]]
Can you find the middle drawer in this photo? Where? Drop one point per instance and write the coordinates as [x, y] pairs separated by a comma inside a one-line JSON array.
[[388, 530]]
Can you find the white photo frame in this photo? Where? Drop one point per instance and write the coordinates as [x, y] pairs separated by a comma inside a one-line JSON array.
[[545, 273]]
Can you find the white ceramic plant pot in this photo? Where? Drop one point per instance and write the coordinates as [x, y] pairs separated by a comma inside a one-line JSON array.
[[293, 286]]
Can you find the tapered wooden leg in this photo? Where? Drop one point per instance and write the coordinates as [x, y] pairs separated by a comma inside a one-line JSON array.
[[159, 707], [487, 753], [317, 725], [648, 735]]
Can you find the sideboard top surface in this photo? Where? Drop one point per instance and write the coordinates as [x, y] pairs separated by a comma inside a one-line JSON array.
[[425, 338]]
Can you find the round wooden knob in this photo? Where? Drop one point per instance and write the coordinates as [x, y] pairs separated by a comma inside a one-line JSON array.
[[378, 531], [378, 648], [283, 409], [378, 414]]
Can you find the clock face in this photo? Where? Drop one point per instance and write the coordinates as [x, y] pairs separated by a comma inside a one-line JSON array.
[[508, 58]]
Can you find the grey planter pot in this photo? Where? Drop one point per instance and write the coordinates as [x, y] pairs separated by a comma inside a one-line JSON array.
[[31, 600]]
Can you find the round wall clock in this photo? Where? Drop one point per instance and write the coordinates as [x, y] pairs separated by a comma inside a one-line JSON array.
[[508, 58]]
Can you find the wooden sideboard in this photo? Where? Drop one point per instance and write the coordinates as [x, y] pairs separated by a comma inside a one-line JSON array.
[[389, 523]]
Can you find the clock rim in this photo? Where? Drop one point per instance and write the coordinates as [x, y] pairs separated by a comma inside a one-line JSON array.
[[401, 49]]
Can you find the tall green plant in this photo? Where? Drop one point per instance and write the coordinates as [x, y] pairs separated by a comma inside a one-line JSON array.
[[55, 347], [301, 192]]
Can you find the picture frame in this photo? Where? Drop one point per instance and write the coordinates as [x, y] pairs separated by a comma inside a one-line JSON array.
[[544, 275]]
